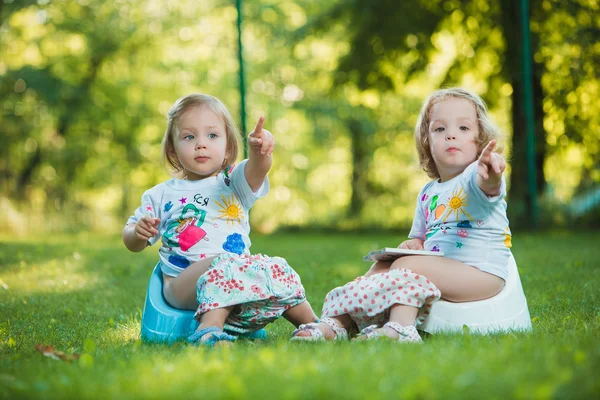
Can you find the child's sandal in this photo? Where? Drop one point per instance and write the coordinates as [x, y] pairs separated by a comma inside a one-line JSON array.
[[406, 334], [217, 335], [316, 334], [370, 332]]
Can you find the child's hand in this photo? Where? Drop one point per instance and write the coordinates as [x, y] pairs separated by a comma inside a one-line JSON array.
[[412, 244], [261, 140], [490, 167], [145, 228]]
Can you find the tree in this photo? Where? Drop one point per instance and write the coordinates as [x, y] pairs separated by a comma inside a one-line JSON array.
[[381, 32]]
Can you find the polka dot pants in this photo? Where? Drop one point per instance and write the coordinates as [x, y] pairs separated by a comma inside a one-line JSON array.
[[367, 299]]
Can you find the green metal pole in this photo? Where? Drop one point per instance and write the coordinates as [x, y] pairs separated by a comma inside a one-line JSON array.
[[238, 5], [528, 108]]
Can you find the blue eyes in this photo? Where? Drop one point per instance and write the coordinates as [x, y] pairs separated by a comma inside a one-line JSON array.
[[192, 137]]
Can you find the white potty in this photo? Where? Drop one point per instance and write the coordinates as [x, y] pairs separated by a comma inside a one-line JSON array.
[[507, 311]]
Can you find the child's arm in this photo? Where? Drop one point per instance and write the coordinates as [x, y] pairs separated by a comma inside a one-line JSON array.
[[136, 236], [490, 167], [412, 244], [260, 144]]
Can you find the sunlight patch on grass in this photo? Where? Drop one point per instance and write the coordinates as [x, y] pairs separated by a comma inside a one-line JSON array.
[[127, 331], [57, 275]]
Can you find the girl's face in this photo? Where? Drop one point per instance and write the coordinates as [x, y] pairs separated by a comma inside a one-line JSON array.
[[452, 132], [200, 142]]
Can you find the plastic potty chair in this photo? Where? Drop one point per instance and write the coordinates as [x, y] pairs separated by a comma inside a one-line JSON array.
[[162, 323], [506, 311]]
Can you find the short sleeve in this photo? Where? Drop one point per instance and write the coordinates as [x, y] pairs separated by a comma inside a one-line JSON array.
[[419, 228], [242, 189], [150, 205]]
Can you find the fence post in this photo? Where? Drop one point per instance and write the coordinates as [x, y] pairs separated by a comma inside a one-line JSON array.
[[529, 117], [238, 5]]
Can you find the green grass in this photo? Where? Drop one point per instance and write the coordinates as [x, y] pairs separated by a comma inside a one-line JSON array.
[[84, 294]]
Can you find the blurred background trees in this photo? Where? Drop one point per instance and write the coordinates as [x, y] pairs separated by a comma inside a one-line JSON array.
[[85, 86]]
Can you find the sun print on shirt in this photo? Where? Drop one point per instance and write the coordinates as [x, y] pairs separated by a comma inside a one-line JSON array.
[[231, 210], [457, 204]]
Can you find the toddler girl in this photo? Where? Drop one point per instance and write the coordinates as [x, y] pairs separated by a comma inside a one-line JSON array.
[[202, 219], [461, 212]]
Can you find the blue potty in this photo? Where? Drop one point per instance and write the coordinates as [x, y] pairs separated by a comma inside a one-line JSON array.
[[162, 323]]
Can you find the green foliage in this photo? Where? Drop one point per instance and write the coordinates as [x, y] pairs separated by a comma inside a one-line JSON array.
[[477, 44], [569, 51], [83, 294], [85, 86], [379, 32]]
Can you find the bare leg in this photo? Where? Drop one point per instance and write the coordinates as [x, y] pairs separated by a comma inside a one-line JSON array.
[[300, 314], [456, 281], [180, 291], [214, 317]]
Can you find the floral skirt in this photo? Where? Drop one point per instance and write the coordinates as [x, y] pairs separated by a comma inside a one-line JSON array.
[[259, 287]]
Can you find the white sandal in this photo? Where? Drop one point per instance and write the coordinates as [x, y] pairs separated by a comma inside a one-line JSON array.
[[316, 334], [406, 334]]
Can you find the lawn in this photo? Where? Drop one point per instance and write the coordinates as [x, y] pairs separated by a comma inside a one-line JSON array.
[[84, 294]]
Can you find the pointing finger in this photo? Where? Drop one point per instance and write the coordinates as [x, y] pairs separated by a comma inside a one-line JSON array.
[[259, 127], [488, 149], [486, 154]]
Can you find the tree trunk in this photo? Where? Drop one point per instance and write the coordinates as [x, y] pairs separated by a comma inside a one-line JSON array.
[[520, 198], [360, 168]]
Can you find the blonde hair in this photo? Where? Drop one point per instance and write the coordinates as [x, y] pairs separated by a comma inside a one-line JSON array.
[[175, 113], [487, 130]]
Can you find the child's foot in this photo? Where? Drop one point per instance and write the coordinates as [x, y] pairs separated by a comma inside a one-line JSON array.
[[324, 329], [392, 330], [212, 336]]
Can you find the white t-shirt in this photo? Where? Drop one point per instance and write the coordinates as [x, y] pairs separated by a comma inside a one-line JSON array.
[[202, 218], [458, 218]]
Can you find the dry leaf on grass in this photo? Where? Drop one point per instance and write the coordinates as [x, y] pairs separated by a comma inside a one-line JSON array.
[[48, 351]]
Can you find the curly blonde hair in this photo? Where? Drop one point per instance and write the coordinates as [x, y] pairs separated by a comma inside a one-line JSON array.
[[173, 116], [487, 130]]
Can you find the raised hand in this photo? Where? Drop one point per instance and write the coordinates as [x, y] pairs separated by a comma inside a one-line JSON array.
[[490, 167], [261, 140], [145, 228]]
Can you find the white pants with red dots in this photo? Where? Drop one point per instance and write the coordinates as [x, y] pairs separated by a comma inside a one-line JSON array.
[[367, 299]]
